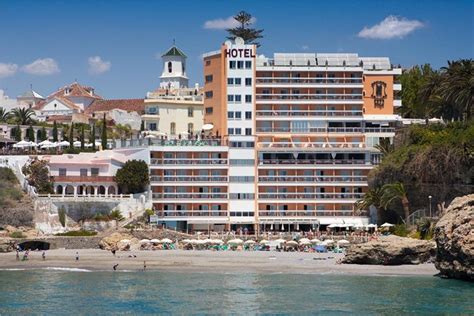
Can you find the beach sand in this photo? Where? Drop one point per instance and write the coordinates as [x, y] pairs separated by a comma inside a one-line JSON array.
[[206, 261]]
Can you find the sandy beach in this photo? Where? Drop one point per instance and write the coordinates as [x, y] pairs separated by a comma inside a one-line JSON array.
[[207, 261]]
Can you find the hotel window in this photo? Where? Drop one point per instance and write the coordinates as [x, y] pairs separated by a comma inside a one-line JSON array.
[[153, 110], [248, 98], [238, 98], [238, 81], [238, 131], [190, 127], [209, 110], [230, 131], [83, 172], [238, 115], [190, 112], [248, 131], [248, 115], [248, 64], [248, 81], [208, 62], [209, 94], [152, 126], [230, 115], [230, 98], [240, 64], [173, 128], [232, 64], [94, 172], [62, 171], [170, 66], [230, 81], [209, 78]]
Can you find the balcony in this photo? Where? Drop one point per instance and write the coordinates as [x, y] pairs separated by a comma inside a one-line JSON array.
[[186, 142], [187, 161], [322, 130], [188, 178], [312, 162], [267, 81], [81, 179], [313, 145], [286, 97], [312, 179], [307, 113], [189, 196], [309, 196], [304, 213], [192, 213]]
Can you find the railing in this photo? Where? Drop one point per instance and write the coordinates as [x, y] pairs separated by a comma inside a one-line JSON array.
[[309, 80], [345, 130], [189, 195], [186, 142], [83, 179], [310, 145], [188, 178], [308, 96], [192, 213], [87, 196], [323, 113], [313, 162], [312, 178], [310, 196], [302, 213], [188, 161]]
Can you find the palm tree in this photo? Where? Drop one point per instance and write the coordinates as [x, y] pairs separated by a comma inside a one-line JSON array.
[[4, 115], [23, 116], [243, 30], [372, 198], [385, 147], [393, 192]]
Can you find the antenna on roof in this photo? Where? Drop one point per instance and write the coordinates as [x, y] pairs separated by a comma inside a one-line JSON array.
[[174, 42]]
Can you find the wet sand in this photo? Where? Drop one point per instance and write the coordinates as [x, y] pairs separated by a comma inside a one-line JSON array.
[[206, 261]]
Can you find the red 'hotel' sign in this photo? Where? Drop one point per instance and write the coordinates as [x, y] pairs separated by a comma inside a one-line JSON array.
[[240, 52]]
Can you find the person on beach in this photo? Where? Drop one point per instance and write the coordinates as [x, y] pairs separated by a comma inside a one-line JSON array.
[[144, 266], [77, 256], [115, 267], [17, 255], [113, 252], [43, 255]]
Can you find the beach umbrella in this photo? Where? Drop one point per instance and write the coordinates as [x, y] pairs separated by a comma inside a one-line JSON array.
[[186, 241], [263, 242], [249, 242], [145, 241], [217, 241], [77, 143], [166, 241], [22, 144], [315, 241], [372, 226], [207, 241], [280, 241], [125, 241], [343, 242], [200, 241], [207, 127], [33, 144], [333, 225], [64, 143], [236, 241], [291, 243], [45, 142], [387, 225], [150, 136], [155, 241], [304, 240], [328, 242]]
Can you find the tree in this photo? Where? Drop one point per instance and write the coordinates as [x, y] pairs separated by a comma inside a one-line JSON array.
[[18, 133], [44, 134], [396, 192], [55, 132], [37, 175], [30, 134], [104, 133], [92, 137], [133, 177], [71, 136], [373, 197], [23, 116], [243, 30], [83, 138], [4, 115], [142, 126], [385, 146]]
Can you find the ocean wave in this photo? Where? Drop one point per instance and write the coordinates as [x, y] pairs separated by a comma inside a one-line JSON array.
[[66, 269]]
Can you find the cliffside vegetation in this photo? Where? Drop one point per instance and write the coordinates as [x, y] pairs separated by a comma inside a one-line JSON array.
[[16, 208]]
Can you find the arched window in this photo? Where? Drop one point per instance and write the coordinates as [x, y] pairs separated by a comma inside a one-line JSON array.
[[173, 128], [190, 128], [170, 67]]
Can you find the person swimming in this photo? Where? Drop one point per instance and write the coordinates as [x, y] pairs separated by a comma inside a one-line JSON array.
[[115, 267]]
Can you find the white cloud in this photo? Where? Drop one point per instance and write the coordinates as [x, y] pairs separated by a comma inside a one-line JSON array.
[[7, 70], [222, 24], [305, 47], [98, 66], [42, 67], [391, 27]]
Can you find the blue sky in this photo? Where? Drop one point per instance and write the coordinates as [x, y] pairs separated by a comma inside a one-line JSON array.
[[112, 45]]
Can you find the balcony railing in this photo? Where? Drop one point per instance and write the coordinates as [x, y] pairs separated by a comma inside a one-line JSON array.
[[192, 213], [309, 96], [309, 196], [332, 145], [189, 195], [312, 178], [95, 179], [313, 162], [188, 178], [302, 213], [188, 161], [186, 142], [268, 80], [299, 113], [322, 130]]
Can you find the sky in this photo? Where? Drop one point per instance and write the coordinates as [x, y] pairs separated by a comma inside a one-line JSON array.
[[113, 45]]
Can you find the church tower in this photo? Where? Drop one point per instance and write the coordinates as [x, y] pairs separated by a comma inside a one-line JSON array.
[[174, 69]]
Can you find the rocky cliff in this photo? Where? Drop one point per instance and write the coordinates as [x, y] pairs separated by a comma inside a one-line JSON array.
[[391, 250], [454, 236]]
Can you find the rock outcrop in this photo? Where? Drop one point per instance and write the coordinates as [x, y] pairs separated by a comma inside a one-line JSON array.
[[6, 245], [454, 236], [391, 250], [118, 241]]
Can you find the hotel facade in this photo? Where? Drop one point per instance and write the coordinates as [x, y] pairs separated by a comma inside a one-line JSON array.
[[288, 145]]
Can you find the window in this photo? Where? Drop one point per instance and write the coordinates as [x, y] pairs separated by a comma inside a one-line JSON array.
[[153, 110], [190, 112], [238, 81], [248, 131], [238, 131], [208, 78], [170, 66], [94, 172], [230, 98], [230, 131], [238, 115], [248, 115], [209, 110], [190, 127], [230, 115], [240, 64], [230, 81], [248, 81], [248, 64], [208, 62], [173, 128], [238, 98], [209, 94], [62, 171], [232, 64], [248, 98], [152, 126], [83, 172], [241, 179]]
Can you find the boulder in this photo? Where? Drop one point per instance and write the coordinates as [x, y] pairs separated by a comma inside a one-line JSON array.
[[454, 236], [391, 250], [6, 245], [115, 242]]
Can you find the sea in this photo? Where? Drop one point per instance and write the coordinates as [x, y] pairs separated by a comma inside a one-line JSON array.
[[82, 292]]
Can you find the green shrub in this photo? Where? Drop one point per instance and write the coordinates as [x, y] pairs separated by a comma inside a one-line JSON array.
[[115, 214], [400, 230], [17, 234], [78, 233]]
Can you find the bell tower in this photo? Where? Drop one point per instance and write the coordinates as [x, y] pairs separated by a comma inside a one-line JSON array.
[[174, 69]]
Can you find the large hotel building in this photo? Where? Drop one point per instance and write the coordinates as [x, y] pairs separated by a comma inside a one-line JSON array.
[[289, 142]]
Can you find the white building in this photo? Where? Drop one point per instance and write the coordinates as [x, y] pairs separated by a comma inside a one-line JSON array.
[[174, 69]]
